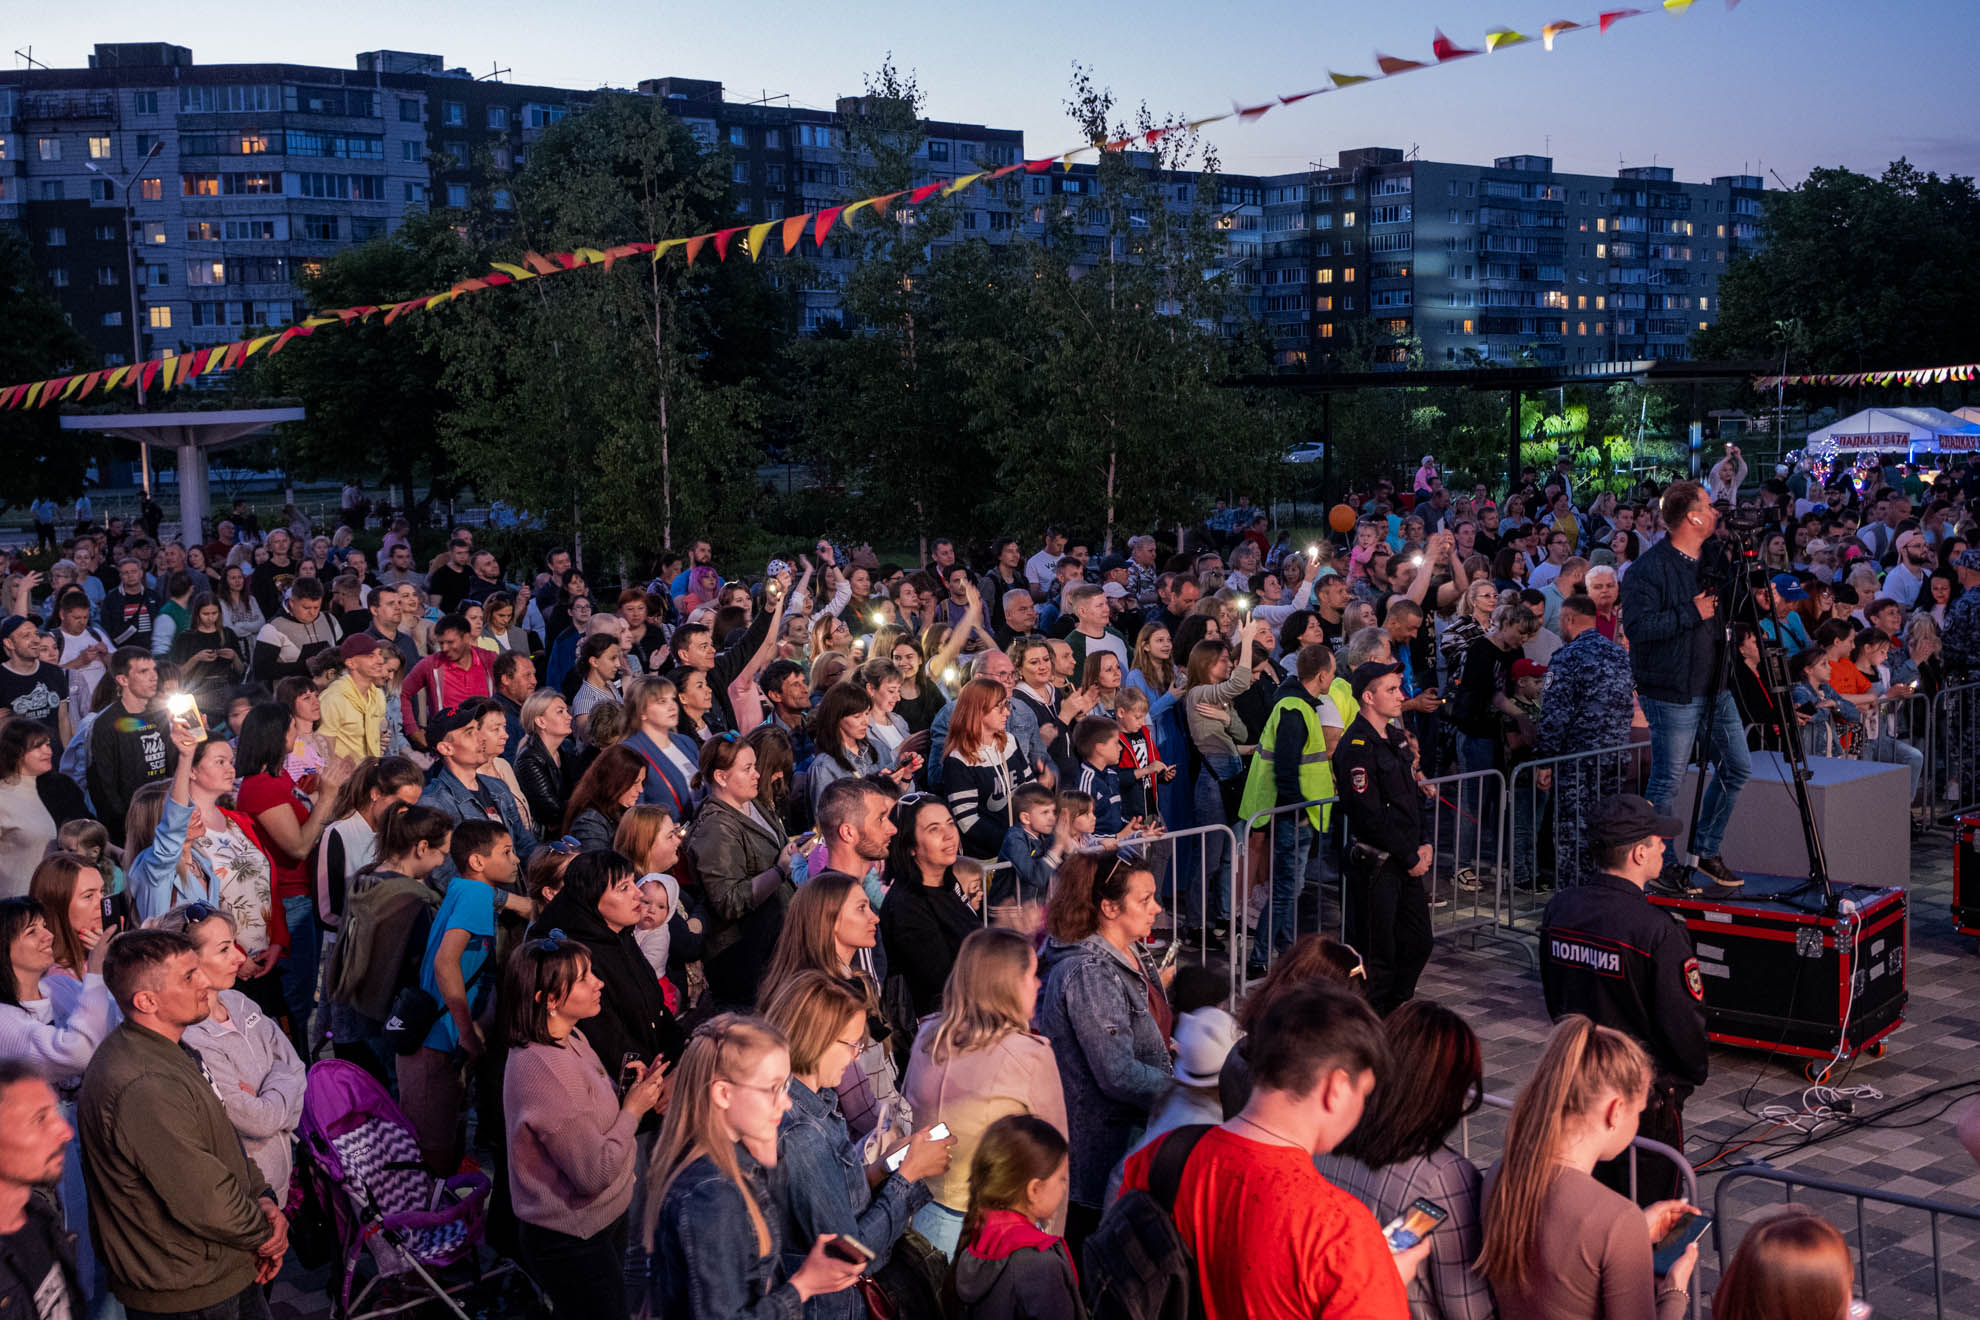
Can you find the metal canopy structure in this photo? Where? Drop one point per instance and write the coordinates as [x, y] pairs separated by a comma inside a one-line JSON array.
[[194, 435], [1516, 382]]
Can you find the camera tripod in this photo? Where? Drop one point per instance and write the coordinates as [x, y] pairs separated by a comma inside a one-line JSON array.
[[1744, 576]]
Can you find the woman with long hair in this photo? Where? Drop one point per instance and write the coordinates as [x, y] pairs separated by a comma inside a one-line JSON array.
[[1152, 666], [27, 752], [379, 938], [1011, 1263], [1312, 957], [776, 769], [1213, 685], [713, 1224], [1401, 1150], [696, 699], [925, 919], [350, 840], [978, 1062], [830, 636], [547, 767], [1102, 676], [610, 784], [653, 709], [982, 767], [1509, 569], [255, 1070], [1106, 1013], [921, 701], [826, 1185], [207, 653], [1792, 1265], [69, 889], [305, 751], [742, 859], [240, 611], [50, 1016], [839, 730], [1473, 621], [1557, 1242], [572, 1153], [831, 927]]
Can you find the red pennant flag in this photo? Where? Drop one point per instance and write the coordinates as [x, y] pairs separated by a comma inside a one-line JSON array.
[[150, 372], [722, 237], [924, 192], [1616, 16], [8, 395], [1008, 169], [794, 231], [1040, 165], [826, 219], [1446, 49], [1294, 99], [1253, 112], [1389, 64]]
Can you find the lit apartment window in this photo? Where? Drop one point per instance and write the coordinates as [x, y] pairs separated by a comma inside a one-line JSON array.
[[1467, 328], [99, 148], [1703, 325], [161, 318], [151, 190], [1581, 327], [1601, 249], [1323, 277], [1327, 330], [1347, 219], [1601, 327], [1704, 304], [50, 148], [1347, 276], [1581, 302], [1601, 302]]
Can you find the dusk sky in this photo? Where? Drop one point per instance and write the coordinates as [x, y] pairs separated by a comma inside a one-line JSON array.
[[1789, 83]]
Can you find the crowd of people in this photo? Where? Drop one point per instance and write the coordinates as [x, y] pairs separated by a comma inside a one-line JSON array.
[[811, 938]]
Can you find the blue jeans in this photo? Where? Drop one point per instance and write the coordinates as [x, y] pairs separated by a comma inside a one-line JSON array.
[[1477, 802], [1674, 728], [298, 969], [941, 1226], [1215, 877], [1292, 844]]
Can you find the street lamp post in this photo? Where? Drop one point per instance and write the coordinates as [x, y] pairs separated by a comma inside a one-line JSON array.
[[130, 277]]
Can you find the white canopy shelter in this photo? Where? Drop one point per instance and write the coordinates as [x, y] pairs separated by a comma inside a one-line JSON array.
[[194, 435], [1890, 430]]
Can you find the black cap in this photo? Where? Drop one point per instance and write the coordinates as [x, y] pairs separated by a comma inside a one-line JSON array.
[[1110, 563], [1367, 673], [1626, 819], [450, 720]]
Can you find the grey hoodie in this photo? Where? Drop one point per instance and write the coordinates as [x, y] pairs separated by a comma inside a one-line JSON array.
[[251, 1048]]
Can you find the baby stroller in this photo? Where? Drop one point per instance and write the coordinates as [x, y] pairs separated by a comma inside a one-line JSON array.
[[363, 1161]]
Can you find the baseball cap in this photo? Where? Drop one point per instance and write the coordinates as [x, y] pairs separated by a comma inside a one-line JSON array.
[[451, 720], [1365, 674], [1905, 538], [1627, 818], [1788, 586], [1112, 590], [358, 644], [12, 624], [1204, 1039], [1111, 563], [1968, 559], [1523, 668]]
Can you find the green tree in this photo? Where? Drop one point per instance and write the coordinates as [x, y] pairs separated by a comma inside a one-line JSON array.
[[1880, 272], [37, 341], [616, 406]]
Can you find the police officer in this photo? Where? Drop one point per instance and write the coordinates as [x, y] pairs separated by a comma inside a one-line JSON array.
[[1587, 706], [1608, 954], [1961, 636], [1388, 910]]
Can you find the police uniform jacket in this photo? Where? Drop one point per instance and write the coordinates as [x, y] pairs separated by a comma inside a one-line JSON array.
[[1608, 953], [1376, 781]]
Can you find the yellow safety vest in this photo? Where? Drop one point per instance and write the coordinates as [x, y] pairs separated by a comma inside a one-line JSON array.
[[1316, 773]]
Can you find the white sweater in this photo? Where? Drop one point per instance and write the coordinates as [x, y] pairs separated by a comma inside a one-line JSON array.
[[59, 1032]]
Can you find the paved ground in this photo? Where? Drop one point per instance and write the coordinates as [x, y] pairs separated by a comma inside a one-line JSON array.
[[1914, 1154]]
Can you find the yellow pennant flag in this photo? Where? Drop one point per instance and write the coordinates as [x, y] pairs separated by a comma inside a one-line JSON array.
[[70, 388], [1499, 37], [258, 343], [1195, 124], [513, 271], [758, 236], [662, 249], [961, 184], [33, 390], [1677, 6], [1346, 79], [439, 298], [116, 377]]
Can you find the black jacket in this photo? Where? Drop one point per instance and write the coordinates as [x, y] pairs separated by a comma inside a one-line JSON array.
[[1377, 787], [17, 1290], [1608, 953], [922, 928], [546, 786], [1657, 599], [634, 1017]]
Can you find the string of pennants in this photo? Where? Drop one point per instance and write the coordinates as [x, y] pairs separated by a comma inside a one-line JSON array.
[[1912, 376], [165, 373]]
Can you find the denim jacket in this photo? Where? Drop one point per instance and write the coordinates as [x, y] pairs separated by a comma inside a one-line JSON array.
[[1113, 1062], [704, 1264], [453, 797], [826, 1191]]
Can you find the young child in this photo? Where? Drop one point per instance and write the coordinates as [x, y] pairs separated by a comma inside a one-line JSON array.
[[1833, 718], [1033, 848], [1096, 742], [88, 838], [1140, 763], [1010, 1264], [969, 881], [1529, 679], [658, 895], [1076, 820]]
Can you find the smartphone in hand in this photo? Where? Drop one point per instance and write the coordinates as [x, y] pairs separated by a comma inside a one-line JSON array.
[[1414, 1224], [1665, 1251], [848, 1249]]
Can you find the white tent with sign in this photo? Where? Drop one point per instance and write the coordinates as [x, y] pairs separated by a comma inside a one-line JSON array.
[[1898, 430]]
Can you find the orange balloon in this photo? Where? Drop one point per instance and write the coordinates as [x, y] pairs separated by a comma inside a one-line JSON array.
[[1341, 518]]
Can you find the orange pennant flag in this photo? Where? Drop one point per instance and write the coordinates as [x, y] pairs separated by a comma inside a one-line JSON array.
[[694, 246], [758, 236], [826, 219], [1552, 30], [541, 264], [89, 383], [794, 231], [1391, 66], [878, 205]]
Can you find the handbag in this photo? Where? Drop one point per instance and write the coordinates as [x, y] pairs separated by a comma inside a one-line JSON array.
[[413, 1014], [910, 1283]]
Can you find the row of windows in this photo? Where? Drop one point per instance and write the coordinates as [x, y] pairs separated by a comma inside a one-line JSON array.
[[206, 271]]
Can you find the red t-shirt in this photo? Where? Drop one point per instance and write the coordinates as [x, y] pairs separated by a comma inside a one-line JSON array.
[[257, 794], [1275, 1240]]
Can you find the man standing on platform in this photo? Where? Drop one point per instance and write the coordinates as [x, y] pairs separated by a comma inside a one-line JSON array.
[[1608, 954], [1678, 654]]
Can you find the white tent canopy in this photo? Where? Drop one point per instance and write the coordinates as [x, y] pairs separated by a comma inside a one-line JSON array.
[[1889, 430]]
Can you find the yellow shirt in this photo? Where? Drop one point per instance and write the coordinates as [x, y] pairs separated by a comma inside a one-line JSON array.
[[353, 723]]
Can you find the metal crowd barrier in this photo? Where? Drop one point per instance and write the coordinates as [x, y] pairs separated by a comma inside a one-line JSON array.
[[1788, 1180], [1952, 753], [1557, 791], [1321, 873]]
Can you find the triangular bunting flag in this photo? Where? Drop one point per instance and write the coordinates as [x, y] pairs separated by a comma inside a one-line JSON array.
[[826, 219], [1499, 38], [1246, 114], [1677, 6], [758, 236], [662, 249], [116, 378], [258, 343], [1044, 163], [793, 231], [1196, 124], [71, 387], [722, 237], [878, 205], [89, 383], [1615, 16], [1008, 169], [924, 192], [149, 372], [1390, 65], [33, 392], [1346, 79], [539, 263], [1552, 30], [1446, 50], [694, 246], [439, 298], [968, 179], [512, 271]]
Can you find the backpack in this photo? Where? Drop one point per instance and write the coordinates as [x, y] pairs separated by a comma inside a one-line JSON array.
[[1135, 1265]]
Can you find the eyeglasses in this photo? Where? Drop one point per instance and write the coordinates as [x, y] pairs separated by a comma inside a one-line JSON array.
[[773, 1090], [856, 1045]]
